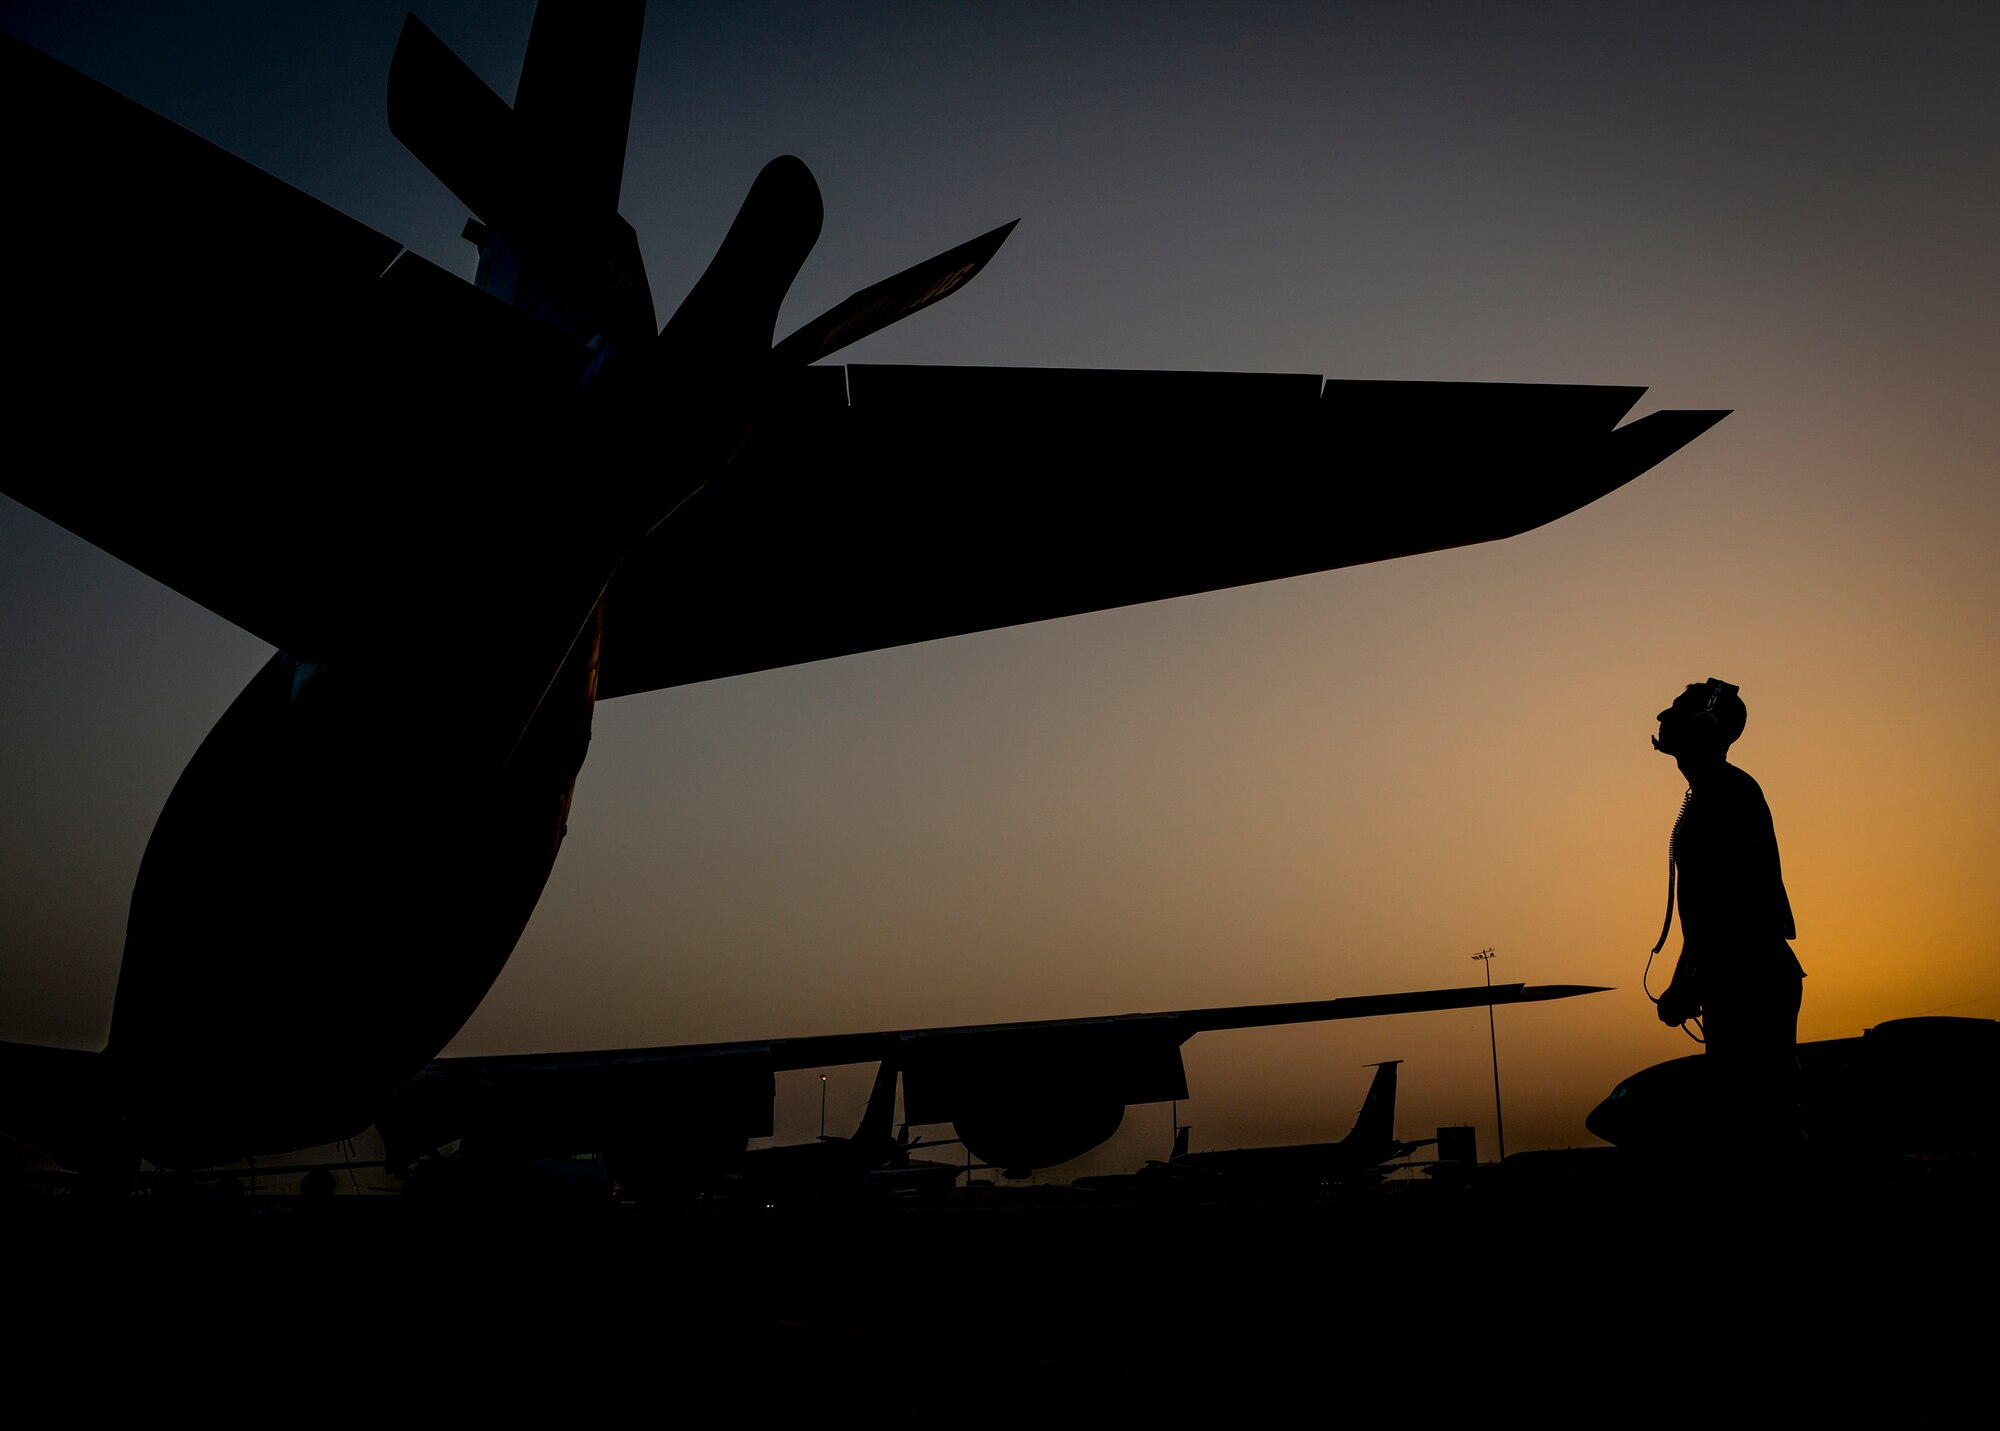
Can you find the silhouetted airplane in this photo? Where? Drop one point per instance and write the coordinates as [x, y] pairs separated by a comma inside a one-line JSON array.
[[871, 1163], [905, 1176], [1907, 1093], [1298, 1169], [827, 1165], [1020, 1096], [465, 513]]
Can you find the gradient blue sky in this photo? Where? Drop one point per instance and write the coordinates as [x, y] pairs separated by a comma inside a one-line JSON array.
[[1337, 784]]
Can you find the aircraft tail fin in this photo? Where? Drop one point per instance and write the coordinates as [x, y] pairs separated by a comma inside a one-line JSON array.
[[881, 1111], [543, 175], [576, 89], [1376, 1124]]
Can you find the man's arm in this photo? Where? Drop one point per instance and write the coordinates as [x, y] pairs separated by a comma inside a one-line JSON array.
[[1681, 1000]]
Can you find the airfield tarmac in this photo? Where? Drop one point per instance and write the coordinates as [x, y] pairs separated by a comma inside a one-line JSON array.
[[1426, 1298]]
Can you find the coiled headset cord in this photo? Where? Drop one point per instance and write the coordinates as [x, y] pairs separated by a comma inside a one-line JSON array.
[[1697, 1033]]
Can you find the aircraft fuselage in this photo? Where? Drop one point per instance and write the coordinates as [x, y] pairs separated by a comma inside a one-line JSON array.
[[334, 884]]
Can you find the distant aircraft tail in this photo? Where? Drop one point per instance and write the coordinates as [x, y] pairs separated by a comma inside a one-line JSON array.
[[881, 1110], [1376, 1124]]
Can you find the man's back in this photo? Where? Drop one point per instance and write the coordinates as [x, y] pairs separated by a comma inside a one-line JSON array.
[[1732, 887]]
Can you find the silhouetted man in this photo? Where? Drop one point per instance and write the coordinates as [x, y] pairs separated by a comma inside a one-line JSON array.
[[1737, 973]]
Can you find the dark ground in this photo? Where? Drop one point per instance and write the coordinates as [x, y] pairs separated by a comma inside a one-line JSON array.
[[1416, 1300]]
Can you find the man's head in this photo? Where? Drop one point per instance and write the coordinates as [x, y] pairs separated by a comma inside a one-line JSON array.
[[1702, 723]]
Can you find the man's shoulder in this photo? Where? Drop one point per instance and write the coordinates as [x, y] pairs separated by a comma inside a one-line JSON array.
[[1739, 786]]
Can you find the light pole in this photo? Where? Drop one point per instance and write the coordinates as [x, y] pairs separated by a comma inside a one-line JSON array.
[[822, 1091], [1485, 957]]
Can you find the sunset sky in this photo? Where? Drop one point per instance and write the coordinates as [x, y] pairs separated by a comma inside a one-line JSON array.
[[1346, 783]]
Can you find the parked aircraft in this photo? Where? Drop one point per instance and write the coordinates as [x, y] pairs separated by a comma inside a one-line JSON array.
[[464, 513], [1297, 1169], [1020, 1096], [905, 1176], [870, 1164], [1907, 1094], [827, 1165]]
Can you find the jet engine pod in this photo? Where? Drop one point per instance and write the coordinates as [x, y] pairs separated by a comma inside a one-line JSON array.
[[1022, 1100], [1026, 1132]]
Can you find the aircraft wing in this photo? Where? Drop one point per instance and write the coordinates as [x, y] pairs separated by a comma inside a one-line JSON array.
[[285, 416], [1021, 1076], [251, 397], [880, 505], [827, 1050]]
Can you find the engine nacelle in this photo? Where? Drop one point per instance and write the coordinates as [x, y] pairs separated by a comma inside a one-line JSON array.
[[1023, 1100], [1028, 1133]]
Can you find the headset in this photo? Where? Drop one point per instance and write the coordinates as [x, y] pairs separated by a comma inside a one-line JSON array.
[[1714, 691]]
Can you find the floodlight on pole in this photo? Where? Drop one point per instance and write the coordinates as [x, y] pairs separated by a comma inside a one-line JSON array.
[[1485, 958]]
